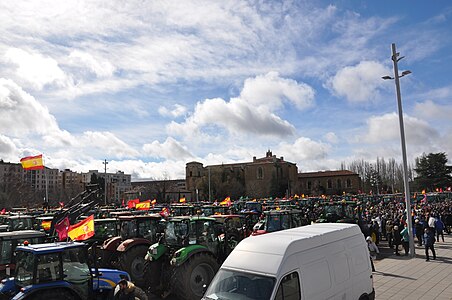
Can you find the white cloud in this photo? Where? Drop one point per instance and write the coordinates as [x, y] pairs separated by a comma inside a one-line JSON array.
[[386, 128], [177, 110], [331, 137], [431, 110], [304, 149], [271, 91], [106, 142], [97, 65], [359, 83], [36, 69], [22, 116], [170, 149], [8, 149], [254, 112]]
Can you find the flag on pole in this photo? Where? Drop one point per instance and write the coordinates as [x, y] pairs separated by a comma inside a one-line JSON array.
[[226, 201], [165, 213], [61, 228], [145, 205], [82, 230], [32, 162], [182, 200], [132, 203]]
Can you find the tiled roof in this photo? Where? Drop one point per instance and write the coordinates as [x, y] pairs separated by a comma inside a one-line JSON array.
[[326, 174]]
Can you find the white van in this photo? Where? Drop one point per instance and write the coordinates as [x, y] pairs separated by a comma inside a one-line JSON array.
[[320, 261]]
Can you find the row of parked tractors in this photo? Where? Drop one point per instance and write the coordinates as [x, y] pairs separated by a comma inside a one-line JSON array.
[[161, 255]]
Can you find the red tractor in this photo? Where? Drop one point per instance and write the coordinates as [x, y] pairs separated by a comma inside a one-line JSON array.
[[127, 251]]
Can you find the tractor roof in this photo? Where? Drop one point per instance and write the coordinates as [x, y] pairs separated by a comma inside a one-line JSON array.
[[50, 247], [21, 234], [138, 217], [191, 218]]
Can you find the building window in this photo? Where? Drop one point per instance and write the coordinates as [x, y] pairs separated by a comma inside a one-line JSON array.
[[199, 173], [309, 185], [260, 173], [339, 184], [191, 173], [349, 183], [330, 184]]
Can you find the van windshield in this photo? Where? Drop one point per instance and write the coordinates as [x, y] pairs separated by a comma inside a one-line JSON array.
[[229, 285]]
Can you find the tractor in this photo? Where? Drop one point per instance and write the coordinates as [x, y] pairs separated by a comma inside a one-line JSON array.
[[60, 271], [8, 243], [127, 251], [275, 220], [187, 257]]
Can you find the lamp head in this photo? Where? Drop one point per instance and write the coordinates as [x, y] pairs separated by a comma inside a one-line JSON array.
[[387, 77]]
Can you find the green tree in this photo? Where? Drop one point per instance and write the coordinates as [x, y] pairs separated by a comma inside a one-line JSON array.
[[432, 171]]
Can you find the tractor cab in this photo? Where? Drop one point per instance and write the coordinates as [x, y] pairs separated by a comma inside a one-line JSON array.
[[18, 222], [58, 271], [280, 219]]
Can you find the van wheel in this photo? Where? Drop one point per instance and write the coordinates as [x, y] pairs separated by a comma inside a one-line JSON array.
[[364, 297]]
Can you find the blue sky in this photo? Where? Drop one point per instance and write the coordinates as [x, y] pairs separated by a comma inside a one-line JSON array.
[[152, 85]]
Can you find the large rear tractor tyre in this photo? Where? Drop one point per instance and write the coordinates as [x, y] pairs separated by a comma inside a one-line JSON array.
[[132, 261], [191, 277]]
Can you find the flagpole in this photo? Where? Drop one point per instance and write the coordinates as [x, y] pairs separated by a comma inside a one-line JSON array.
[[47, 185]]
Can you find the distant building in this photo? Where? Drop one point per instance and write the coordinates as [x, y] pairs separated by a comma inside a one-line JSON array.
[[328, 183], [164, 191], [117, 184], [262, 177]]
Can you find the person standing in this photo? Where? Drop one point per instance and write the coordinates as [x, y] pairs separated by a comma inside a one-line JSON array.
[[405, 240], [389, 233], [429, 242], [419, 231], [373, 251], [439, 228], [126, 290], [397, 239]]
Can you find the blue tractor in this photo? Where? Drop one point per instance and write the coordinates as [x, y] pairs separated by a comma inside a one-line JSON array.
[[61, 270]]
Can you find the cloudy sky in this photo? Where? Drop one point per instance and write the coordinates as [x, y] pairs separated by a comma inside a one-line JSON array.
[[152, 85]]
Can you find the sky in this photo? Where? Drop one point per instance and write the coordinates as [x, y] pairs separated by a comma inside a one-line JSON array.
[[152, 85]]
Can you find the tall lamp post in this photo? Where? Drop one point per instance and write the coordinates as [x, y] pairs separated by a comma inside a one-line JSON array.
[[395, 59], [105, 162]]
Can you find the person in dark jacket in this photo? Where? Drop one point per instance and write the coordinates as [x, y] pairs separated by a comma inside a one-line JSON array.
[[419, 227], [429, 242], [397, 239], [127, 290]]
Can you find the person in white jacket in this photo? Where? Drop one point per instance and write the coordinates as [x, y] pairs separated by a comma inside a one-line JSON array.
[[373, 251]]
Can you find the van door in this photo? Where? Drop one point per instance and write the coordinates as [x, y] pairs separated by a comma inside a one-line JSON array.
[[289, 287]]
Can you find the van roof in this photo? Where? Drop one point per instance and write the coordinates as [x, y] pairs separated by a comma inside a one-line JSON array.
[[251, 253]]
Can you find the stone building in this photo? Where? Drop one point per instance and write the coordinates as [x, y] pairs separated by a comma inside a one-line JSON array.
[[328, 183], [263, 177]]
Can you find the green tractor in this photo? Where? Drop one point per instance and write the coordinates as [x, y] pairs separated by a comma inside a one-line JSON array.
[[187, 257]]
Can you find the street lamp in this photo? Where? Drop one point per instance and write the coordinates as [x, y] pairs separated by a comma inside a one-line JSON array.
[[396, 78], [105, 162]]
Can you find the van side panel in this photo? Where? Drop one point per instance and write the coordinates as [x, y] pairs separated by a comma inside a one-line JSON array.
[[360, 267]]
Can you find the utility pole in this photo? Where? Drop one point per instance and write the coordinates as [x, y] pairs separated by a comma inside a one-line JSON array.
[[210, 198], [105, 162]]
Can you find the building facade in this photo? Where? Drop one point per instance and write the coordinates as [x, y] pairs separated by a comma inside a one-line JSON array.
[[262, 177], [164, 191], [328, 183], [116, 183]]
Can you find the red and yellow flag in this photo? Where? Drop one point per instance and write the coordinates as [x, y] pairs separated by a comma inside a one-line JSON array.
[[32, 162], [46, 225], [182, 200], [82, 230], [145, 205]]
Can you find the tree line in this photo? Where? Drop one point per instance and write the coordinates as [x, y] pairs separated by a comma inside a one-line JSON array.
[[430, 172]]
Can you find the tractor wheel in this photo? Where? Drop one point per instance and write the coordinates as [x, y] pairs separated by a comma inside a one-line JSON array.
[[52, 294], [132, 261], [191, 277]]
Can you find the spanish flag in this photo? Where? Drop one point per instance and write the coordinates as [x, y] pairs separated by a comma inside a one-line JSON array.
[[32, 162], [145, 205], [82, 230], [182, 200]]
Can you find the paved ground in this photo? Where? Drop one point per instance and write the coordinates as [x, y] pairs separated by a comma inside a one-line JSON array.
[[399, 277]]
